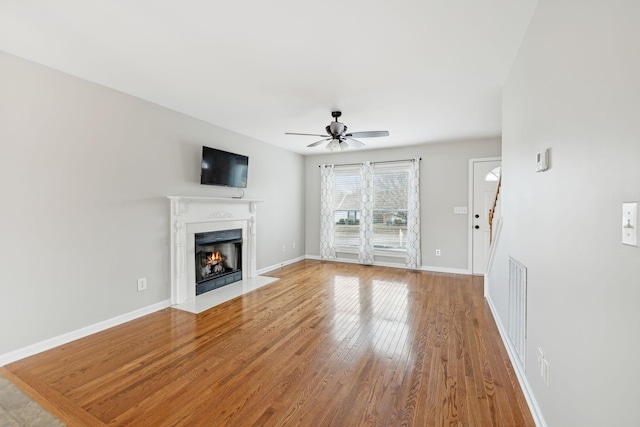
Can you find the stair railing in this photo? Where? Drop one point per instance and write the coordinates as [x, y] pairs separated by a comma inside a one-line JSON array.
[[493, 210]]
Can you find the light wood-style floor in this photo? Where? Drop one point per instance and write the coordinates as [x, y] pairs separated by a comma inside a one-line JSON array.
[[329, 344]]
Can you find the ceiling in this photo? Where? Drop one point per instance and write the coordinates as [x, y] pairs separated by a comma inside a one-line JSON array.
[[425, 70]]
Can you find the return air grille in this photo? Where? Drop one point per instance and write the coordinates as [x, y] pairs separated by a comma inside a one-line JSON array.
[[518, 306]]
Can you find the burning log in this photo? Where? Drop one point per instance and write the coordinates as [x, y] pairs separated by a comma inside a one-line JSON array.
[[214, 264]]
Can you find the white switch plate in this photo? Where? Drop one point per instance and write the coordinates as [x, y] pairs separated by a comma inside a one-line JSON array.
[[545, 368], [540, 362], [630, 223], [460, 210], [542, 160], [142, 284]]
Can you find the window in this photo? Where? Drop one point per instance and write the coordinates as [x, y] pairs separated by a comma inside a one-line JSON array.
[[390, 202], [494, 175], [347, 206]]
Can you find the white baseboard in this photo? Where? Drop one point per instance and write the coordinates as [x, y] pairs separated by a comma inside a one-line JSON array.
[[396, 265], [276, 266], [519, 370], [355, 261], [446, 270], [79, 333]]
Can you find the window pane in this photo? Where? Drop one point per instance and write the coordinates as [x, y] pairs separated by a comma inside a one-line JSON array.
[[391, 232], [494, 175], [391, 198], [347, 208]]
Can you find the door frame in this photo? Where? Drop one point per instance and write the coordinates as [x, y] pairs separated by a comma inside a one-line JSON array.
[[471, 208]]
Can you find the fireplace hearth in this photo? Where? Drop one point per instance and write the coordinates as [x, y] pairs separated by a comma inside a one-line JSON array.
[[218, 259]]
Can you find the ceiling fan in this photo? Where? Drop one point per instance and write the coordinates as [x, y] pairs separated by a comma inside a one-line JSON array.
[[338, 137]]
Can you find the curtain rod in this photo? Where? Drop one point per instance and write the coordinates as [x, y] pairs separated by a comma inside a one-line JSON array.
[[373, 163]]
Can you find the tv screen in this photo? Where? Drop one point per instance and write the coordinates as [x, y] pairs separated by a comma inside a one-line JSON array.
[[223, 168]]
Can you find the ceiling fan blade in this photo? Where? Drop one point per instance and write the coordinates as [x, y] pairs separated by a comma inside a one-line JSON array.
[[319, 142], [305, 134], [370, 134], [353, 142]]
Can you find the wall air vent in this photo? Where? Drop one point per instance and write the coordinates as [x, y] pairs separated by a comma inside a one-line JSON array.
[[518, 307]]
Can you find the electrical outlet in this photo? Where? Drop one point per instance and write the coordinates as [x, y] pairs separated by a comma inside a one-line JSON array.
[[284, 248], [142, 284], [438, 253], [293, 245]]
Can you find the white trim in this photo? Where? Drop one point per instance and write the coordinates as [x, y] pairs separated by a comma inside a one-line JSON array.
[[445, 270], [536, 412], [50, 343], [470, 203], [394, 265], [390, 253], [280, 265], [492, 254], [183, 199]]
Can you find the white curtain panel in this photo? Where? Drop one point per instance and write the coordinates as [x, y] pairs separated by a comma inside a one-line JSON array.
[[365, 250], [414, 259], [327, 219]]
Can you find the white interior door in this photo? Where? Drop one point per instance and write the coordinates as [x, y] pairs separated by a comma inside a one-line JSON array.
[[485, 184]]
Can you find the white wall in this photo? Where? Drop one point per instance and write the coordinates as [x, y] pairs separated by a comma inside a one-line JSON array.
[[444, 183], [575, 88], [84, 175]]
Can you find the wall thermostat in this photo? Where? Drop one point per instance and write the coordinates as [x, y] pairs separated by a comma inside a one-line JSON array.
[[542, 160]]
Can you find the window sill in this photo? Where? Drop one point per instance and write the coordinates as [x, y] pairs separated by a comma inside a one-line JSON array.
[[392, 253]]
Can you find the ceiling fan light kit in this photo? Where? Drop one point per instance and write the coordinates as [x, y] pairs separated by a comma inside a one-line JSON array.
[[338, 137], [334, 145]]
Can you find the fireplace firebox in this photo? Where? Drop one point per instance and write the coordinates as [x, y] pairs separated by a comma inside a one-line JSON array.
[[218, 259]]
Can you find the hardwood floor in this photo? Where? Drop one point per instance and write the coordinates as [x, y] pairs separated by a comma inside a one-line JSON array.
[[328, 344]]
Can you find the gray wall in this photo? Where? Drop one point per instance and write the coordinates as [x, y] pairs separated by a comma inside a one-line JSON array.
[[574, 88], [444, 183], [84, 175]]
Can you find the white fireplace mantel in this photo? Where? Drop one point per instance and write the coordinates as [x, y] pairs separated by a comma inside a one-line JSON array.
[[190, 215], [181, 202]]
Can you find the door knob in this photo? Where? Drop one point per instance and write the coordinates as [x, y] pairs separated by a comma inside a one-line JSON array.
[[476, 227]]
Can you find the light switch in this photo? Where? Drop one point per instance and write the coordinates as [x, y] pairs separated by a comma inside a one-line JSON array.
[[630, 223]]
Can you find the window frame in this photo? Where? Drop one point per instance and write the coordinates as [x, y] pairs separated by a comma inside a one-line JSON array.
[[378, 251]]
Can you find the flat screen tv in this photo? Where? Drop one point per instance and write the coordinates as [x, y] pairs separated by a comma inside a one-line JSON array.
[[223, 168]]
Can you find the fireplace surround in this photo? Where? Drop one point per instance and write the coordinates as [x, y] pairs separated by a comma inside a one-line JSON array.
[[191, 216]]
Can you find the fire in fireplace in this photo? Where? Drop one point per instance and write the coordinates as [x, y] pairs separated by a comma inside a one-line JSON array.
[[213, 264], [218, 259]]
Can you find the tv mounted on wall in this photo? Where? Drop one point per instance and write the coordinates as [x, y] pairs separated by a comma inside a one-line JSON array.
[[223, 168]]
